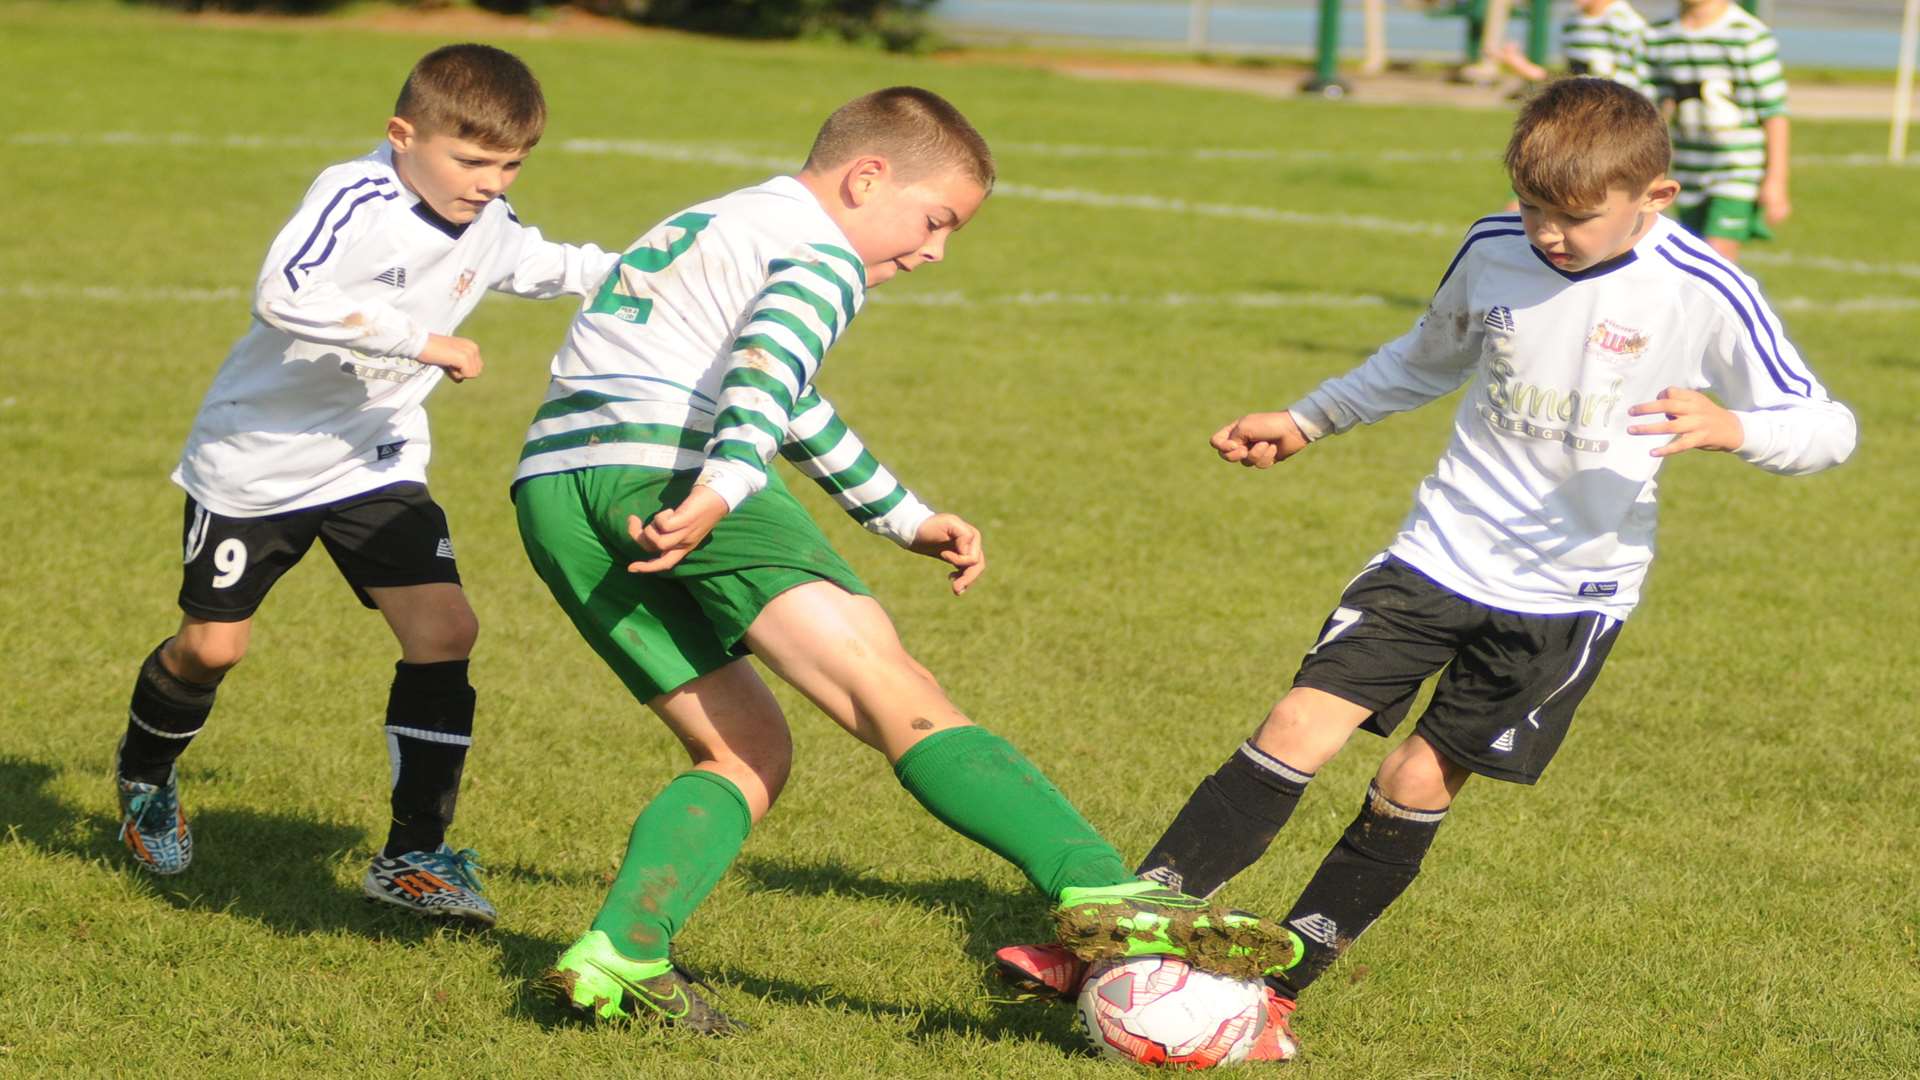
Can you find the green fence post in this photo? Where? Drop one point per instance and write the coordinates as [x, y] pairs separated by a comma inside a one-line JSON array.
[[1538, 31], [1326, 78]]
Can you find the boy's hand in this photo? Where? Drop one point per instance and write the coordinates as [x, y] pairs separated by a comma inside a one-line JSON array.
[[948, 537], [458, 355], [676, 530], [1696, 422], [1257, 440], [1774, 204]]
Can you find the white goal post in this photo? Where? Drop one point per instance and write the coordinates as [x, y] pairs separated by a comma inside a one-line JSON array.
[[1903, 82]]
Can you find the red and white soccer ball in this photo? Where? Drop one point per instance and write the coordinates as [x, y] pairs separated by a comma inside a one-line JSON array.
[[1156, 1010]]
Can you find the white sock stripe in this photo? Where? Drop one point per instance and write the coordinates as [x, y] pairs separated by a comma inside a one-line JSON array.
[[1386, 807], [151, 730], [447, 738], [1273, 764]]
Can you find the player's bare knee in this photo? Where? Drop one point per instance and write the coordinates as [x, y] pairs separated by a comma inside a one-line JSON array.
[[203, 657]]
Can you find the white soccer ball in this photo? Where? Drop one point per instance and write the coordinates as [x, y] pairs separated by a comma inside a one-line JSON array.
[[1156, 1010]]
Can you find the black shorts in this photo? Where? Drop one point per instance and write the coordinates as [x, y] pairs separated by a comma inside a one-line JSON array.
[[1511, 680], [395, 535]]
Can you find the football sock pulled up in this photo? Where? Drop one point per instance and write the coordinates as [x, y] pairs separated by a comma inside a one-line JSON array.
[[983, 788], [1372, 864], [680, 846], [429, 729], [1227, 823], [165, 714]]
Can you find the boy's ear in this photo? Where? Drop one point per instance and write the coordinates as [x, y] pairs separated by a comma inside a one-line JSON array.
[[1660, 195], [862, 177], [400, 134]]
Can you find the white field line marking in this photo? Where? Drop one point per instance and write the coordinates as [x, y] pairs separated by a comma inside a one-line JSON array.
[[958, 299], [725, 156]]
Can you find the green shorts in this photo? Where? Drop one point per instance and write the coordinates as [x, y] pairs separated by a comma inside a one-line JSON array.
[[661, 630], [1731, 219]]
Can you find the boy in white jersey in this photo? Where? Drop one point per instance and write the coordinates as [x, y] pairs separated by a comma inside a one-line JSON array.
[[1587, 329], [1601, 38], [315, 427], [648, 506], [1716, 70]]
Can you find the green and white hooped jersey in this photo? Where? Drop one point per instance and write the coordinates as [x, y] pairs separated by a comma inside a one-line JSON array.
[[1607, 45], [700, 351], [1723, 80]]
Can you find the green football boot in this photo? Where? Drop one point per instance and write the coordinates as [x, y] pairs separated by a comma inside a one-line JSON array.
[[595, 982], [1141, 918]]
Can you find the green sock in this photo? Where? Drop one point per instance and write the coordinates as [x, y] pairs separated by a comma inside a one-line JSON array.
[[979, 786], [681, 844]]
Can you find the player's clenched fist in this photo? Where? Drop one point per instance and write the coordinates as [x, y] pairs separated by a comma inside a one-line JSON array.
[[950, 538], [1257, 440], [458, 355]]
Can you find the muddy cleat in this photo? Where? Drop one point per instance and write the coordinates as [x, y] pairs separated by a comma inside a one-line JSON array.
[[1275, 1041], [596, 983], [152, 825], [1036, 972], [1140, 918], [443, 883]]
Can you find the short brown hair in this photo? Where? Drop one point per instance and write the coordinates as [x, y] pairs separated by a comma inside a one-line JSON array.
[[474, 92], [916, 130], [1579, 138]]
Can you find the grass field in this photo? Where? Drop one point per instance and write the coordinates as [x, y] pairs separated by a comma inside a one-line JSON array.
[[1716, 878]]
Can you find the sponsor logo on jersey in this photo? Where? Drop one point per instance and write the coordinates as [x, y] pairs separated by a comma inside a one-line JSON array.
[[462, 284], [1599, 588], [1505, 742], [1501, 319], [389, 450], [1318, 928], [395, 276], [1613, 341]]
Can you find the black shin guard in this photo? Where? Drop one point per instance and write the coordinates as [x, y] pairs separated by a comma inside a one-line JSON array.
[[429, 727], [165, 714], [1374, 862], [1227, 824]]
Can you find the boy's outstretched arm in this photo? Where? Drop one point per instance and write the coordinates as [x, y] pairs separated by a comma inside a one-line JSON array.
[[828, 452], [539, 269]]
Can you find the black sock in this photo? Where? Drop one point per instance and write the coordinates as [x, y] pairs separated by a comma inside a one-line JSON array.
[[164, 716], [429, 727], [1227, 824], [1374, 862]]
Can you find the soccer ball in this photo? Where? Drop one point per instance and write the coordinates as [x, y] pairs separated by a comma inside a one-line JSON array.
[[1156, 1010]]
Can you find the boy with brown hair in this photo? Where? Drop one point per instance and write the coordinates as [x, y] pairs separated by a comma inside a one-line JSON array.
[[1587, 329], [647, 505], [315, 427]]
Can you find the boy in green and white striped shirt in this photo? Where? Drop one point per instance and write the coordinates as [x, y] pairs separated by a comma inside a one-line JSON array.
[[647, 504], [1601, 38], [1716, 70]]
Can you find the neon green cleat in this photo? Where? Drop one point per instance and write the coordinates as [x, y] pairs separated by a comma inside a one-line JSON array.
[[1140, 918], [594, 981]]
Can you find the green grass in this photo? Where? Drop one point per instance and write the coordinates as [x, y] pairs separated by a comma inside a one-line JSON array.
[[1716, 877]]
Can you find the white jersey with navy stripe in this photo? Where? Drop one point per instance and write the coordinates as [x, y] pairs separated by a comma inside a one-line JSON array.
[[323, 398], [1542, 502]]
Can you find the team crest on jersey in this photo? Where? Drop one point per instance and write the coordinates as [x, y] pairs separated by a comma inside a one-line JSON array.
[[1621, 344], [1500, 319], [462, 284]]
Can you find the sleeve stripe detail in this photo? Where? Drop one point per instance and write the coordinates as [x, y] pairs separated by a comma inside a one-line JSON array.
[[779, 352], [737, 450], [870, 511], [829, 317], [1760, 312], [1474, 238], [761, 381], [794, 325], [853, 261], [380, 186], [739, 417], [1774, 368], [847, 304]]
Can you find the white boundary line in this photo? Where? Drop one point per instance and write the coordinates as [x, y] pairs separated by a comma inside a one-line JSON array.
[[706, 154], [959, 299]]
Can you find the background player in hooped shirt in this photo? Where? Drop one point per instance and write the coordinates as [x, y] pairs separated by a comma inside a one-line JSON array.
[[315, 426], [647, 504], [1716, 69], [1587, 330], [1601, 38]]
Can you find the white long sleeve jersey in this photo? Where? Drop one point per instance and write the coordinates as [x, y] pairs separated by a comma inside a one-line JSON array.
[[1542, 502], [323, 398], [700, 352]]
